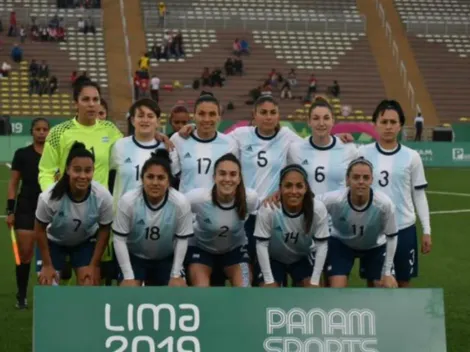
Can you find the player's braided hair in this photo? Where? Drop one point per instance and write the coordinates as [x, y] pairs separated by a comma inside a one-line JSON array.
[[78, 150], [307, 203], [160, 157], [240, 193], [359, 161]]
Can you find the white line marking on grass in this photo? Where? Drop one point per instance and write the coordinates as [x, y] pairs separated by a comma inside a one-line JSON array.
[[8, 165], [450, 193], [458, 211]]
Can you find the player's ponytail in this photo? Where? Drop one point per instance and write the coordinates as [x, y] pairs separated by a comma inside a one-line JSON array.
[[307, 203], [240, 193], [160, 157], [78, 150], [207, 97]]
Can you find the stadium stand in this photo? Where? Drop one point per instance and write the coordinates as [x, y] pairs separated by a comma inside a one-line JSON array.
[[79, 52], [438, 34], [336, 50]]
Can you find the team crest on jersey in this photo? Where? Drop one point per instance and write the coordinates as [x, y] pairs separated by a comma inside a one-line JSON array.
[[105, 139], [128, 160], [187, 155]]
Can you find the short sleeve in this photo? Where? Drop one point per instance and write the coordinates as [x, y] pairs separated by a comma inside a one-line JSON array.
[[291, 151], [184, 226], [114, 133], [418, 178], [353, 151], [252, 201], [390, 220], [114, 158], [233, 146], [320, 227], [17, 161], [195, 197], [263, 225], [291, 136], [106, 209], [122, 219], [44, 213], [175, 162]]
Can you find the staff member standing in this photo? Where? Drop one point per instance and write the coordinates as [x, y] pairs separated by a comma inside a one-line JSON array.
[[419, 124]]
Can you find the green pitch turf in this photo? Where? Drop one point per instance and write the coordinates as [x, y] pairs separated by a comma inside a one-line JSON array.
[[447, 266]]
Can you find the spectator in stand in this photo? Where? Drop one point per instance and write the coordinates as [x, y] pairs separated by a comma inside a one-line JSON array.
[[43, 34], [236, 47], [73, 77], [33, 68], [161, 14], [53, 85], [292, 77], [17, 54], [286, 90], [144, 62], [35, 34], [22, 34], [179, 117], [155, 52], [217, 79], [178, 40], [136, 85], [81, 25], [144, 86], [43, 70], [312, 85], [1, 26], [244, 47], [273, 78], [206, 77], [34, 85], [238, 66], [154, 87], [54, 22], [5, 69], [13, 25], [89, 26], [103, 110], [334, 90], [229, 70], [52, 33], [60, 34], [419, 124]]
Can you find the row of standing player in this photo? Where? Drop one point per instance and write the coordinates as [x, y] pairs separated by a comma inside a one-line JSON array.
[[263, 151]]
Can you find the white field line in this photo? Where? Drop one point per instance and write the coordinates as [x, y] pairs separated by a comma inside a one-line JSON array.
[[449, 193]]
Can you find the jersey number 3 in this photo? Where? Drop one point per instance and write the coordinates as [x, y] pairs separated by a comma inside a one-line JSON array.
[[384, 180]]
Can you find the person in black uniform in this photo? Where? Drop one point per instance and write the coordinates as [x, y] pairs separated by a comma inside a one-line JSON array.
[[21, 210]]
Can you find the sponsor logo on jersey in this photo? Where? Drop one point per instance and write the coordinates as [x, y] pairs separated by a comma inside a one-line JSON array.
[[61, 213], [249, 149], [278, 228], [187, 155], [208, 221], [305, 162], [342, 218], [128, 160], [105, 139], [141, 222]]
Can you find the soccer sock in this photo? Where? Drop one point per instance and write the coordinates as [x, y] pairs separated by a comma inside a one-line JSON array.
[[22, 278]]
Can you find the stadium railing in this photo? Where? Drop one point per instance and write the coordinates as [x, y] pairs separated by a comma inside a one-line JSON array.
[[441, 27]]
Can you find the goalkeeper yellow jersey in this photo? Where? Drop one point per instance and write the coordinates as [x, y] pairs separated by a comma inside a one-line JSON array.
[[98, 138]]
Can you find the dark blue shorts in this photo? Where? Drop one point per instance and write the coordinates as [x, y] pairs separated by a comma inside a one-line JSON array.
[[80, 255], [197, 255], [298, 271], [340, 260], [249, 231], [405, 264], [158, 272]]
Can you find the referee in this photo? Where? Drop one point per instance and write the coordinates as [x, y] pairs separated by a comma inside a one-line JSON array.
[[21, 210]]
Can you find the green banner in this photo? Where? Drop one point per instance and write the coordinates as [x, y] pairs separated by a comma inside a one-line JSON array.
[[8, 146], [461, 132], [442, 154], [75, 319], [22, 125]]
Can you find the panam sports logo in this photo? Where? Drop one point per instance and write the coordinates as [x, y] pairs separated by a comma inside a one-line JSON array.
[[458, 154]]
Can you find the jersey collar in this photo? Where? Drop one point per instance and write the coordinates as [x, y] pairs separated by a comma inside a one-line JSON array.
[[147, 203], [153, 146], [290, 215], [371, 197], [69, 194], [193, 135], [333, 143], [78, 124], [384, 152], [264, 138]]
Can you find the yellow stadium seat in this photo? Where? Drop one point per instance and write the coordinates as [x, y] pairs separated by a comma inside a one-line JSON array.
[[15, 107], [36, 107], [6, 111], [358, 112], [5, 89], [335, 101], [13, 73], [351, 118], [55, 101], [15, 112], [24, 90], [360, 118], [36, 113], [5, 106], [299, 111], [307, 106], [289, 117], [369, 118], [65, 95], [56, 107], [58, 113], [24, 96], [340, 117], [463, 119]]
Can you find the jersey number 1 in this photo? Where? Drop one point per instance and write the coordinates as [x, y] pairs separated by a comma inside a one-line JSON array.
[[137, 172], [361, 230]]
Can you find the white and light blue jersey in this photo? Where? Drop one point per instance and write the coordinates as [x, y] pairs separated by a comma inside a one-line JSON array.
[[397, 173], [70, 222], [218, 229], [326, 166], [196, 157], [361, 228], [128, 157], [289, 242], [151, 229], [262, 158]]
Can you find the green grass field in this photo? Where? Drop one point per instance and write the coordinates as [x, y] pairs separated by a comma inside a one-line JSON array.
[[447, 266]]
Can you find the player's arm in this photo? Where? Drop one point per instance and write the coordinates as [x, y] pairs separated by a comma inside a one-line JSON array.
[[184, 231], [321, 233], [174, 156], [291, 135], [121, 228], [262, 235], [13, 183], [113, 166], [104, 222], [391, 231], [50, 160]]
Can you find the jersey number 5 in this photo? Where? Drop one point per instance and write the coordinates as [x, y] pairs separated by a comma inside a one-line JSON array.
[[152, 233], [262, 161], [384, 181]]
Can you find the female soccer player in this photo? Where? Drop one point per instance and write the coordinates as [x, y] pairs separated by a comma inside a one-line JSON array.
[[103, 110], [179, 117], [287, 236], [323, 156], [129, 154], [195, 156], [20, 213], [364, 226], [73, 219], [220, 212], [399, 173], [151, 228]]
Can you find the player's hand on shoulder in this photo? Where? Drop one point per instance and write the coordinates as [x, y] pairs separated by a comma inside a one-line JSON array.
[[273, 201], [345, 137], [165, 140], [10, 220], [177, 282], [186, 130], [48, 276], [389, 281], [426, 244]]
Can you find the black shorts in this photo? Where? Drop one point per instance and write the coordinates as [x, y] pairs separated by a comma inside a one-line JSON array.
[[24, 217]]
